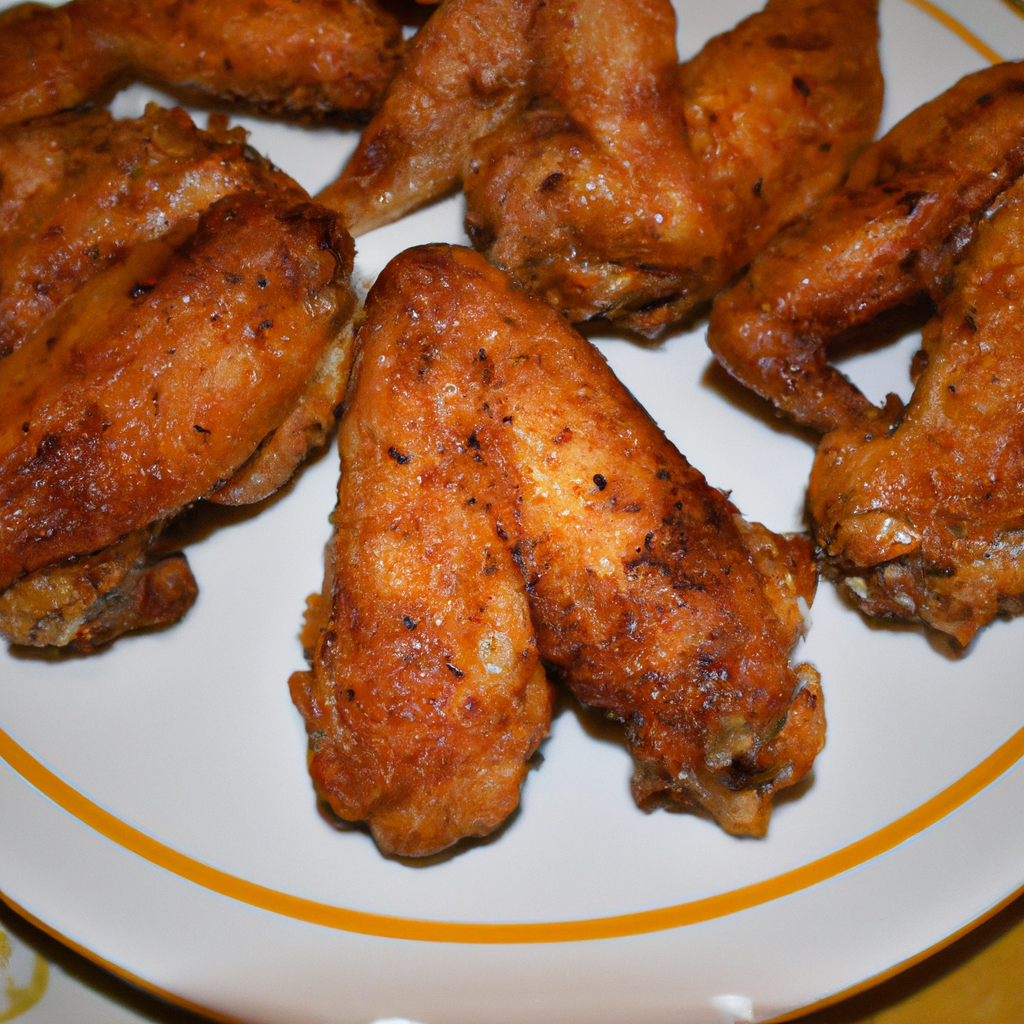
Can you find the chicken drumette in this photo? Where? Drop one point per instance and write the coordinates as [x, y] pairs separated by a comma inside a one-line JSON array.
[[305, 59], [603, 175], [504, 500], [917, 510], [173, 314]]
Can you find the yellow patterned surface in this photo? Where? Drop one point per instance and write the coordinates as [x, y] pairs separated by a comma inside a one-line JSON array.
[[17, 995]]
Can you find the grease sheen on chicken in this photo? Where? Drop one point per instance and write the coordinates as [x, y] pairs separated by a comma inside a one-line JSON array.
[[173, 311], [305, 59], [503, 500], [605, 177]]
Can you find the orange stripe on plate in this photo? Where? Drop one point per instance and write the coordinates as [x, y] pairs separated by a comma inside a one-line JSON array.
[[958, 29], [677, 916]]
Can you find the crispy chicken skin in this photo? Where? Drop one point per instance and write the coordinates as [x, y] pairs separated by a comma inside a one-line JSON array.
[[78, 191], [891, 234], [503, 497], [304, 59], [604, 176], [202, 362], [925, 520]]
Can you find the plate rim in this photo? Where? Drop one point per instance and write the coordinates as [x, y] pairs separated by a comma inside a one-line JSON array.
[[854, 854], [908, 825]]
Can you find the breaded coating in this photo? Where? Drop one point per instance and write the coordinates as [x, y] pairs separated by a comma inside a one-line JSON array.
[[170, 367], [605, 177], [890, 235], [503, 497], [922, 518], [300, 59]]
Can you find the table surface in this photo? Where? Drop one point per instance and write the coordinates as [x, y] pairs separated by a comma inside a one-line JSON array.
[[976, 980]]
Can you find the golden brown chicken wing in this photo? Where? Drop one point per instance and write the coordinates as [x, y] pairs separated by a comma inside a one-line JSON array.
[[923, 519], [305, 59], [80, 190], [892, 233], [503, 497], [156, 357], [604, 176]]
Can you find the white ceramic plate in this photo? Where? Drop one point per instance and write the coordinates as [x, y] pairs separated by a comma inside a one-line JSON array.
[[156, 810]]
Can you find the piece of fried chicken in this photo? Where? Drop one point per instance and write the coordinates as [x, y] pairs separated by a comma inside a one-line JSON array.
[[923, 519], [504, 499], [605, 177], [79, 191], [301, 59], [174, 312], [890, 235], [916, 511]]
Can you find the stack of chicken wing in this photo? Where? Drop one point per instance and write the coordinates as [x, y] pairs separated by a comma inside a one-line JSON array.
[[176, 324]]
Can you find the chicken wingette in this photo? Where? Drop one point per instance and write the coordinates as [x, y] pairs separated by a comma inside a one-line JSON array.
[[922, 518], [506, 504], [604, 176], [917, 510], [300, 59], [174, 315], [890, 235]]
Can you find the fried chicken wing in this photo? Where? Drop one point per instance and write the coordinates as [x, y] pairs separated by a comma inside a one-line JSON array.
[[305, 59], [196, 355], [80, 190], [924, 521], [604, 176], [891, 234], [503, 497]]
